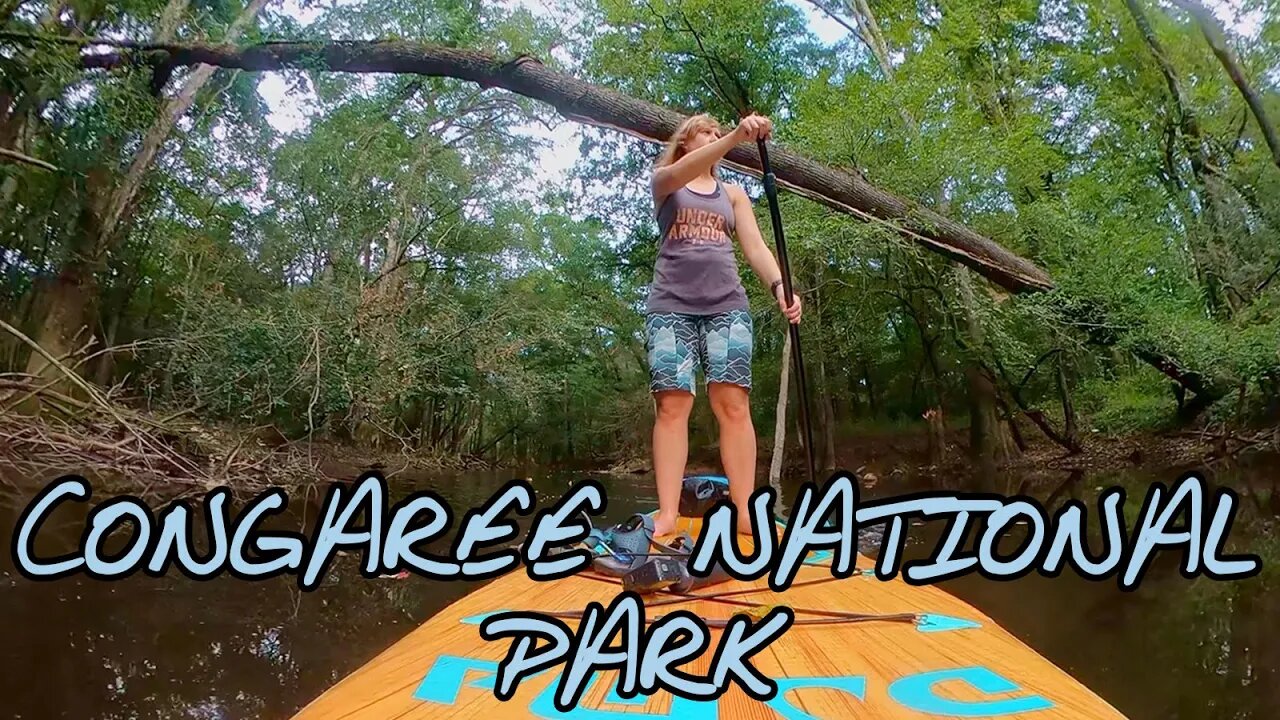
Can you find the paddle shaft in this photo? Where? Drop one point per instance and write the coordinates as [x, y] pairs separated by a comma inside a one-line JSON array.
[[771, 192]]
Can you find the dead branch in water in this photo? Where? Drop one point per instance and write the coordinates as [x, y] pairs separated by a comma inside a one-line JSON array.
[[107, 440], [43, 430], [1260, 438]]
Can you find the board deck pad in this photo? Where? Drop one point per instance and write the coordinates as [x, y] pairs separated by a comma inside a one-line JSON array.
[[956, 663]]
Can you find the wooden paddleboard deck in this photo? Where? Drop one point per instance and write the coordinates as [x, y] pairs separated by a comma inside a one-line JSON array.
[[963, 665]]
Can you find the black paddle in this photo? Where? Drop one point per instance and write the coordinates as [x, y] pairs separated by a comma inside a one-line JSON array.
[[771, 191]]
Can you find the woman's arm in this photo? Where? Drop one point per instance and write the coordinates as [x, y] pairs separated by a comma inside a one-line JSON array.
[[758, 254], [669, 178]]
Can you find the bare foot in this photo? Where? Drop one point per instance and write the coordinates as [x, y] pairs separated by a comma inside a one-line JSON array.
[[744, 526], [664, 525]]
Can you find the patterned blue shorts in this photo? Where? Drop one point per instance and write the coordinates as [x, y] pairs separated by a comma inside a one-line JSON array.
[[678, 343]]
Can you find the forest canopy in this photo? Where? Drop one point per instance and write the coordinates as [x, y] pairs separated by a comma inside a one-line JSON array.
[[1061, 213]]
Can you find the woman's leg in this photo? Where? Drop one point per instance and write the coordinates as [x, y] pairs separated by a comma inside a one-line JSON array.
[[672, 342], [727, 344], [732, 406], [670, 452]]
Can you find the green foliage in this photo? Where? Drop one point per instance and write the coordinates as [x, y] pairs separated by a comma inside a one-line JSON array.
[[388, 270], [702, 55], [1126, 402]]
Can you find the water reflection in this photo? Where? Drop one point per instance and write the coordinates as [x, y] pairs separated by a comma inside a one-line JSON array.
[[1172, 648], [225, 648]]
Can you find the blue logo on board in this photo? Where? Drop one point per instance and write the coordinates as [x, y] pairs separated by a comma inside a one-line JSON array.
[[920, 692]]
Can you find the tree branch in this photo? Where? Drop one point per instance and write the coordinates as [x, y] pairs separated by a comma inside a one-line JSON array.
[[1190, 126], [17, 157], [1263, 285], [1217, 37], [831, 13]]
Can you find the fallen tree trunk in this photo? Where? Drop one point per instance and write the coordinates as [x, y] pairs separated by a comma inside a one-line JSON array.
[[590, 104], [1208, 390], [594, 105]]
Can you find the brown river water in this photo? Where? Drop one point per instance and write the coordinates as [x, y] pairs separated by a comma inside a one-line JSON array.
[[172, 647]]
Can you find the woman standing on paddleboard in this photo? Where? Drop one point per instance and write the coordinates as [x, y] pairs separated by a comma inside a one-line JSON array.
[[697, 312]]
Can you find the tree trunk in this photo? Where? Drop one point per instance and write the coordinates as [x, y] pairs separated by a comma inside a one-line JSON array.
[[442, 429], [1198, 153], [8, 8], [106, 361], [63, 331], [872, 401], [496, 443], [15, 122], [126, 195], [105, 210], [916, 400], [1069, 431], [479, 435], [63, 307], [424, 425], [455, 427], [828, 415], [70, 301], [1011, 420], [937, 436], [568, 419], [989, 441], [927, 344]]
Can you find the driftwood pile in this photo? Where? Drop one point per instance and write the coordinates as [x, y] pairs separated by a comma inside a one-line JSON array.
[[68, 425], [46, 433]]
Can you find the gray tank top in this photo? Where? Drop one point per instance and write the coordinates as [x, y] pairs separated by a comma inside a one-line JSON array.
[[696, 272]]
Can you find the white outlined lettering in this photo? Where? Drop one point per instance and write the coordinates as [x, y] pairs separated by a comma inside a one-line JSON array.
[[522, 661], [664, 649], [1070, 523], [177, 536], [401, 537], [283, 550], [334, 529]]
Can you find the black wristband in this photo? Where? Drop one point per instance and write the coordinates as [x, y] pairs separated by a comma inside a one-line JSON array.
[[773, 288]]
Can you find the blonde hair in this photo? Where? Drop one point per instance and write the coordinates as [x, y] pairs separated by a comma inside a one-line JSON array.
[[691, 126]]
